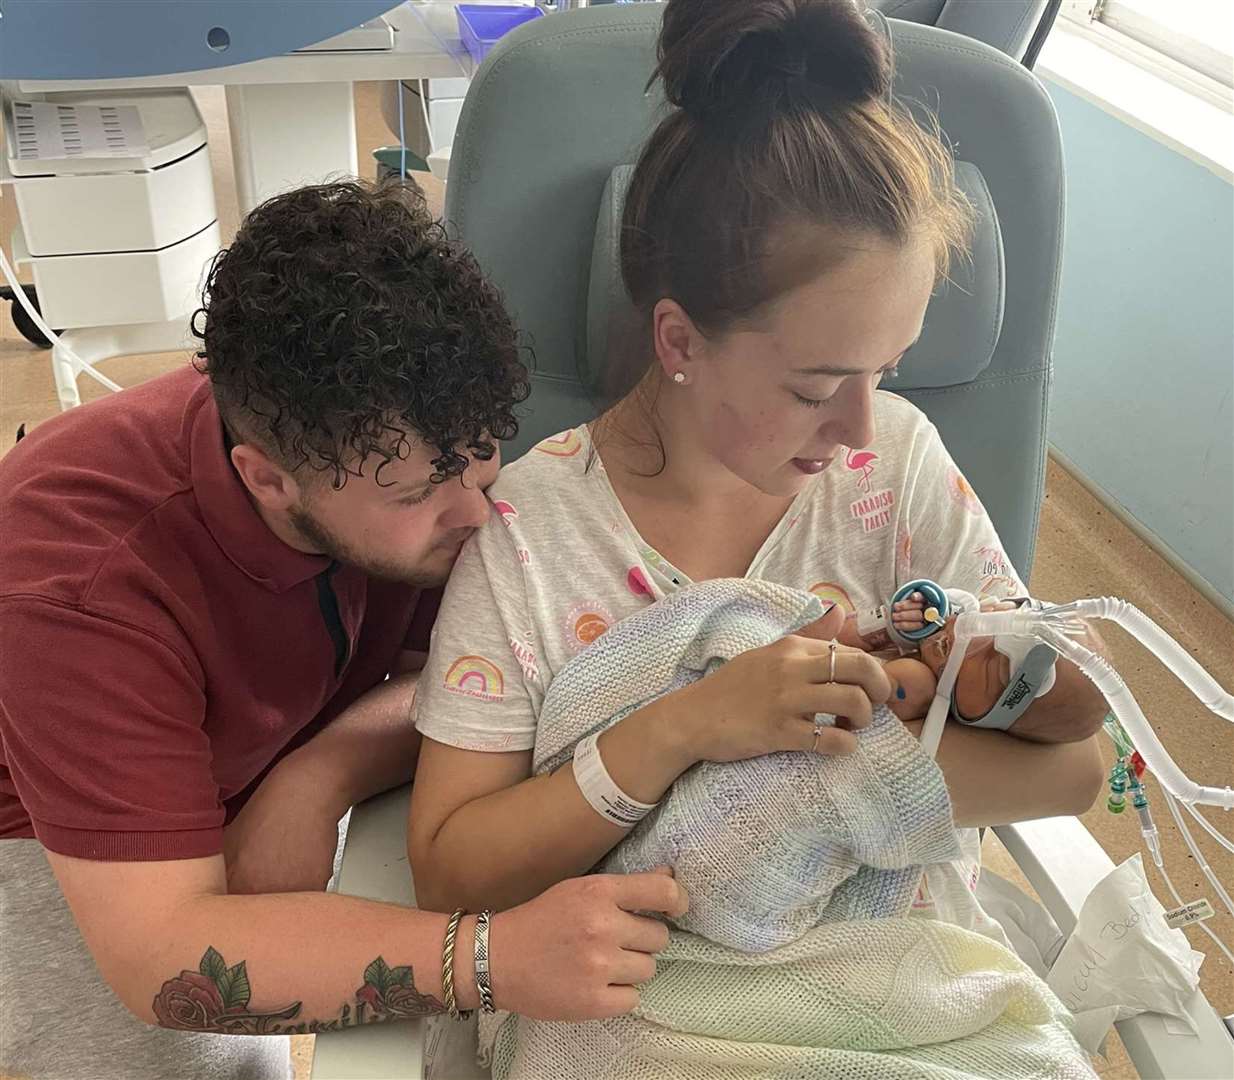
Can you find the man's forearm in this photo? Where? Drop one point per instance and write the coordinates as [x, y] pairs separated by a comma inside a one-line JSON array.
[[294, 963], [369, 748]]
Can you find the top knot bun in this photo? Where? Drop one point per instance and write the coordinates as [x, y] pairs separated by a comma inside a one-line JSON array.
[[722, 55]]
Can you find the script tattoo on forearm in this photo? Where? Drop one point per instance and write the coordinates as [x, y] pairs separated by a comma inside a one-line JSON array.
[[215, 998]]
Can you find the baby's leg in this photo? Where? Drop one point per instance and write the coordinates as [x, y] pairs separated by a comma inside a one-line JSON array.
[[914, 687]]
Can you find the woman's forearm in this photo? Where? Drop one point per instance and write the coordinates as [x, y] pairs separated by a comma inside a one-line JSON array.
[[501, 849], [996, 779]]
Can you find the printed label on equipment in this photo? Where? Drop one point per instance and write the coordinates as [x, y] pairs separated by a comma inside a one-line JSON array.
[[49, 131], [1196, 911]]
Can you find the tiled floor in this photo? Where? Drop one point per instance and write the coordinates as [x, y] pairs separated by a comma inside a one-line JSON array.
[[1083, 551]]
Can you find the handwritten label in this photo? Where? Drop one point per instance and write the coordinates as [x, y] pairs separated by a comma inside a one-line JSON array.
[[1122, 958], [1081, 979], [1088, 968], [1120, 928]]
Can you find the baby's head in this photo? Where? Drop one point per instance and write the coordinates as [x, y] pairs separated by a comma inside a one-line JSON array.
[[983, 674]]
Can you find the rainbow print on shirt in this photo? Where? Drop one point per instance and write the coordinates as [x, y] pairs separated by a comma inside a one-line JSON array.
[[567, 444], [507, 512], [831, 593], [474, 676]]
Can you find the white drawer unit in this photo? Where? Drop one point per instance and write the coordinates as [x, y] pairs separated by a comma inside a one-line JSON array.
[[121, 287], [96, 205], [116, 221]]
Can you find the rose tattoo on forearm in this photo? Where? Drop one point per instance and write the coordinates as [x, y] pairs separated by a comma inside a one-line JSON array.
[[216, 998]]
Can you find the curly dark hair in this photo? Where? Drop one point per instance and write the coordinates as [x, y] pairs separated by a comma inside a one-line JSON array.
[[343, 322]]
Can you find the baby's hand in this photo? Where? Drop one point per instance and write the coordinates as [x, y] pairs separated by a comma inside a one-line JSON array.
[[909, 614]]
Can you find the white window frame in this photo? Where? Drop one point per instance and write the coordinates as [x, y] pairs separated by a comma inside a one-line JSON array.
[[1127, 34]]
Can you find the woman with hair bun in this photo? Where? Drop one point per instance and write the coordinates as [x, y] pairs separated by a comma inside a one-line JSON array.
[[783, 231]]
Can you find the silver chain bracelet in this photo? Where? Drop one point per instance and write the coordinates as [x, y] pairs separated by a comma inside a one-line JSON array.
[[483, 982]]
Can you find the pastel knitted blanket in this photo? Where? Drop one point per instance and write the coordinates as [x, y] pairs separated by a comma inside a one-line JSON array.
[[887, 999]]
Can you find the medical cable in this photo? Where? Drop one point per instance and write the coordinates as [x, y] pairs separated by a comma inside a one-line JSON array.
[[1182, 903], [1138, 747], [1126, 776], [57, 342], [402, 138]]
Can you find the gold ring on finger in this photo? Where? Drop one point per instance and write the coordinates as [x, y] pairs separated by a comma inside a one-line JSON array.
[[832, 648]]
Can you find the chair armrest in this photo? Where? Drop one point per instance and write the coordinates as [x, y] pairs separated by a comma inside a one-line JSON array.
[[1063, 862], [375, 866]]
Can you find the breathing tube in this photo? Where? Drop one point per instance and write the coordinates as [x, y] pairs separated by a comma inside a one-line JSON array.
[[1058, 625]]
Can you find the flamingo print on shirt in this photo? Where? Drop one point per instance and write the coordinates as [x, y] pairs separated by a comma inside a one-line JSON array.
[[862, 463]]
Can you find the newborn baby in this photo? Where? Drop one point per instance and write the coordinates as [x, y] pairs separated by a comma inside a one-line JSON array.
[[984, 674]]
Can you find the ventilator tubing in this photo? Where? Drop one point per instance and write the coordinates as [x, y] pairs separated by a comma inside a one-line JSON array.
[[1056, 625]]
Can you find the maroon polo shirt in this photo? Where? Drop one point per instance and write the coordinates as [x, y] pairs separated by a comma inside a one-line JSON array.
[[160, 647]]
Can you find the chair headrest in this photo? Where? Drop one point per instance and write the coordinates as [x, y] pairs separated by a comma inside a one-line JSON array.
[[961, 329]]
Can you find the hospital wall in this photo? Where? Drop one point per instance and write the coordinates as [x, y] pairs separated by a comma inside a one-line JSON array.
[[1143, 402]]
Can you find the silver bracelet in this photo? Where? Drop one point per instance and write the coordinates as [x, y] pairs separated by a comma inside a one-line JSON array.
[[483, 983]]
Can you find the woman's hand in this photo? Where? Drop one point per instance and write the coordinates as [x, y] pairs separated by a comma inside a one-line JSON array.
[[765, 701]]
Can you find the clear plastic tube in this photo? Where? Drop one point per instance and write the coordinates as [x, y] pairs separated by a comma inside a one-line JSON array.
[[1204, 824], [1206, 689], [1055, 626], [1196, 854], [20, 293], [1180, 902]]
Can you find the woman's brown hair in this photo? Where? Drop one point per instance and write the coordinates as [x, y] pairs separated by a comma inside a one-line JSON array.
[[782, 150]]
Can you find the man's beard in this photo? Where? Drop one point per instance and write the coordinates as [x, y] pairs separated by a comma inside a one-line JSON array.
[[425, 574]]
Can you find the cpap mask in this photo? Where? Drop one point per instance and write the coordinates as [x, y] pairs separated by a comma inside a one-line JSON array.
[[1031, 661]]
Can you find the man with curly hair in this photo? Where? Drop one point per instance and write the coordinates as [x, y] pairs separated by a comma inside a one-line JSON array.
[[204, 584]]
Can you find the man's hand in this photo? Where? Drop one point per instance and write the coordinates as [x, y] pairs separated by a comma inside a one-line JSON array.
[[284, 839], [579, 950]]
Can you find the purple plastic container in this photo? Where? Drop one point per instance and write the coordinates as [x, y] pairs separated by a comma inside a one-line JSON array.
[[480, 25]]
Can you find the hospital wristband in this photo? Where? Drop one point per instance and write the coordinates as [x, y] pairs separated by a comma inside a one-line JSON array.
[[871, 622], [598, 788]]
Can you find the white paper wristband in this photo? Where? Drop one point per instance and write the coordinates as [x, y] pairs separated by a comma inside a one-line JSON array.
[[870, 622], [598, 788]]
